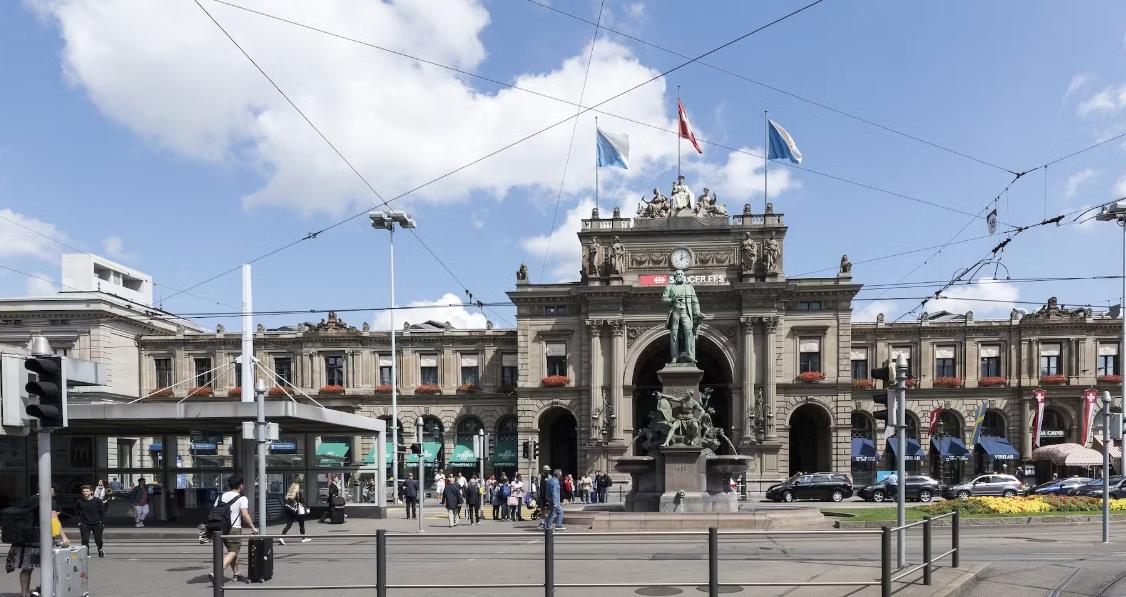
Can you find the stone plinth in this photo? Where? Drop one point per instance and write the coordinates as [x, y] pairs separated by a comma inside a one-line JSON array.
[[677, 378], [684, 479], [645, 487]]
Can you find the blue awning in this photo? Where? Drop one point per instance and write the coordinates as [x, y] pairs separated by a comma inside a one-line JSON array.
[[950, 448], [998, 448], [156, 447], [914, 450], [863, 449]]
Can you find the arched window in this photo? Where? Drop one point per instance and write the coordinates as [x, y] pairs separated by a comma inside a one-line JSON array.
[[432, 430], [467, 429], [994, 424], [862, 425], [950, 423], [912, 425]]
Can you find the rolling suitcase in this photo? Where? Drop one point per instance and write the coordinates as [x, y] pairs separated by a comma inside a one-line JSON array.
[[72, 571], [260, 560], [338, 516]]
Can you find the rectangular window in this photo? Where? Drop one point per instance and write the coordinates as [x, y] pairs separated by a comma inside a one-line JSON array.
[[203, 373], [470, 370], [163, 372], [809, 354], [283, 369], [1107, 363], [990, 361], [906, 352], [1050, 360], [859, 358], [428, 369], [556, 310], [238, 375], [509, 370], [334, 371], [809, 305], [556, 353], [944, 362], [384, 369]]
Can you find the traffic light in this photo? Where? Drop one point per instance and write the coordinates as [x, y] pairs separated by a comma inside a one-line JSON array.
[[535, 449], [1115, 430], [416, 449], [527, 449], [885, 374], [887, 415], [50, 388], [491, 444]]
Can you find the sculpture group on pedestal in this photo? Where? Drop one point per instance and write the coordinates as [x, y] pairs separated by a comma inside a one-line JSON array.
[[681, 203], [764, 257], [683, 421]]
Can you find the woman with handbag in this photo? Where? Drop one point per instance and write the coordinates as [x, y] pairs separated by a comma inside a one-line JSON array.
[[516, 499], [295, 511]]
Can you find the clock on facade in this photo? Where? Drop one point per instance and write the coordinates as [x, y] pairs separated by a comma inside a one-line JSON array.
[[681, 258]]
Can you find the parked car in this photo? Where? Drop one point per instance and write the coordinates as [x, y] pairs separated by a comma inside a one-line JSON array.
[[1060, 486], [1095, 488], [918, 487], [817, 486], [1003, 485]]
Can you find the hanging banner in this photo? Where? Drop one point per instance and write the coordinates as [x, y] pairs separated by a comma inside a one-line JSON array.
[[1089, 410], [1037, 415], [979, 418], [933, 422]]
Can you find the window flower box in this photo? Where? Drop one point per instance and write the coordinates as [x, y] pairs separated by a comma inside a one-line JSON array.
[[204, 392], [428, 388], [468, 387], [383, 388], [1114, 379], [992, 382], [947, 382], [332, 389], [811, 376], [277, 391], [161, 393], [1053, 380], [555, 381], [235, 392], [862, 384]]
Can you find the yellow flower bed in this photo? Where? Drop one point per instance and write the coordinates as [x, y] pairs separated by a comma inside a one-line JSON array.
[[1118, 505], [1015, 505]]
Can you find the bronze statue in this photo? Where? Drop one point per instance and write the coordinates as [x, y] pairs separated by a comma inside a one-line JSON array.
[[683, 320]]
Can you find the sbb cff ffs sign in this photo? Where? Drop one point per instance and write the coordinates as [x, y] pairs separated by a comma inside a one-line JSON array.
[[693, 279]]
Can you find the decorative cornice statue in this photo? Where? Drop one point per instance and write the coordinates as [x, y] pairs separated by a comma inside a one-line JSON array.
[[683, 421], [749, 252], [708, 206], [590, 258], [683, 320], [657, 207], [681, 197], [617, 213], [771, 253], [846, 265], [617, 257], [594, 213], [522, 272], [746, 209], [769, 209]]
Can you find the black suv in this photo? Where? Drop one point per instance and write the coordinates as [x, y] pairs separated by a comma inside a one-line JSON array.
[[817, 486], [918, 487]]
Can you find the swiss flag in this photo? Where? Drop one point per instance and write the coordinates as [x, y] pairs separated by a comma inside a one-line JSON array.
[[686, 127]]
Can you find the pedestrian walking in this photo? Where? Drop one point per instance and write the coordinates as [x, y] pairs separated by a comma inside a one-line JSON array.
[[584, 488], [517, 498], [139, 498], [439, 486], [461, 483], [237, 514], [101, 491], [473, 500], [568, 489], [594, 486], [25, 556], [115, 485], [295, 511], [555, 513], [504, 491], [451, 499], [333, 492], [604, 483], [410, 496], [91, 514]]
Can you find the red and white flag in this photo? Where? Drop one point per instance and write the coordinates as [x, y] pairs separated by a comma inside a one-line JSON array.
[[1037, 416], [933, 423], [686, 127], [1089, 410]]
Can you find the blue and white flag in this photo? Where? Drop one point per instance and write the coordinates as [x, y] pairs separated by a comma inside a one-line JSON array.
[[781, 144], [613, 150]]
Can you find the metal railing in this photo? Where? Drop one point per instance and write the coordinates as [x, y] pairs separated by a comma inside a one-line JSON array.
[[549, 584]]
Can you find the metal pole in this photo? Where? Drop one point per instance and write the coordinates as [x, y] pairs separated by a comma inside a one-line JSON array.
[[713, 562], [481, 459], [955, 543], [885, 562], [46, 561], [247, 381], [1106, 468], [394, 381], [381, 563], [548, 562], [900, 456], [217, 563], [926, 550], [421, 474], [263, 481]]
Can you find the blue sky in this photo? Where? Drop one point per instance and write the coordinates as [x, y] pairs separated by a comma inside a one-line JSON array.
[[144, 135]]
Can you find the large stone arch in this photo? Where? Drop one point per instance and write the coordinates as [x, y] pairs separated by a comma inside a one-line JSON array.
[[558, 428], [810, 430], [658, 332]]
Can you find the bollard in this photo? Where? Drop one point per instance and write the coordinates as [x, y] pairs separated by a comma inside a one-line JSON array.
[[548, 562], [217, 563], [381, 563], [713, 562], [954, 541], [926, 550], [885, 561]]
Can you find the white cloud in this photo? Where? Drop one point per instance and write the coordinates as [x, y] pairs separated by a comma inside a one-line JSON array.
[[740, 179], [1076, 180], [1108, 100], [447, 308], [41, 285], [114, 246], [18, 236], [166, 72], [1119, 188], [476, 221], [999, 299], [563, 251], [1077, 82]]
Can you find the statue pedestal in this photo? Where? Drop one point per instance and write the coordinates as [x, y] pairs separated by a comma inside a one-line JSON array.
[[676, 378], [685, 479]]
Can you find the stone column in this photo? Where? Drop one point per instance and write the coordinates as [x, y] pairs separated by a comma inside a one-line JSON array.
[[594, 330], [770, 325], [617, 372], [749, 366]]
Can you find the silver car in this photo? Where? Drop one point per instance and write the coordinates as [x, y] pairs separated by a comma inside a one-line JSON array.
[[1003, 485]]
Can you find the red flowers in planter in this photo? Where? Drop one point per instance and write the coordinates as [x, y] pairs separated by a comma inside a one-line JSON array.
[[332, 389], [912, 382], [948, 382], [276, 391], [468, 387], [162, 393], [205, 392], [863, 384], [556, 381], [988, 382], [235, 392], [384, 388], [1110, 379], [428, 388], [1052, 380], [811, 376]]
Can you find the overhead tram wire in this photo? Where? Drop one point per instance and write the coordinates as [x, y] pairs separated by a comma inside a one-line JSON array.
[[779, 90], [594, 109], [571, 145], [499, 150]]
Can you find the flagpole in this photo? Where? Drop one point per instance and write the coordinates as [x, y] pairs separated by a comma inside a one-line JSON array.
[[765, 162], [596, 162], [679, 132]]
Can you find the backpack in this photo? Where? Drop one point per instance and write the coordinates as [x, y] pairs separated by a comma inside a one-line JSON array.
[[219, 519], [19, 525], [505, 491]]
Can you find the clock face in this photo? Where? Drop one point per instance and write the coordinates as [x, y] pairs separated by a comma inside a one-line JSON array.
[[681, 258]]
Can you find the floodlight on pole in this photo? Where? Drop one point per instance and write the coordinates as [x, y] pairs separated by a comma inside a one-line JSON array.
[[387, 220], [1114, 213]]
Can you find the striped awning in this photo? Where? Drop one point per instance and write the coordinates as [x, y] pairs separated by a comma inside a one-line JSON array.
[[1068, 455]]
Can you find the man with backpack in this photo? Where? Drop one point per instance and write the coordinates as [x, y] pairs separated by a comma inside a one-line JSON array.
[[228, 514]]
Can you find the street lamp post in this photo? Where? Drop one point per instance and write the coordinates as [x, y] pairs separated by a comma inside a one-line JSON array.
[[1114, 213], [386, 220], [421, 472]]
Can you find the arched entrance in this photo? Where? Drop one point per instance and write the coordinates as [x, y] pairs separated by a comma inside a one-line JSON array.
[[1055, 429], [717, 376], [559, 440], [811, 440]]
